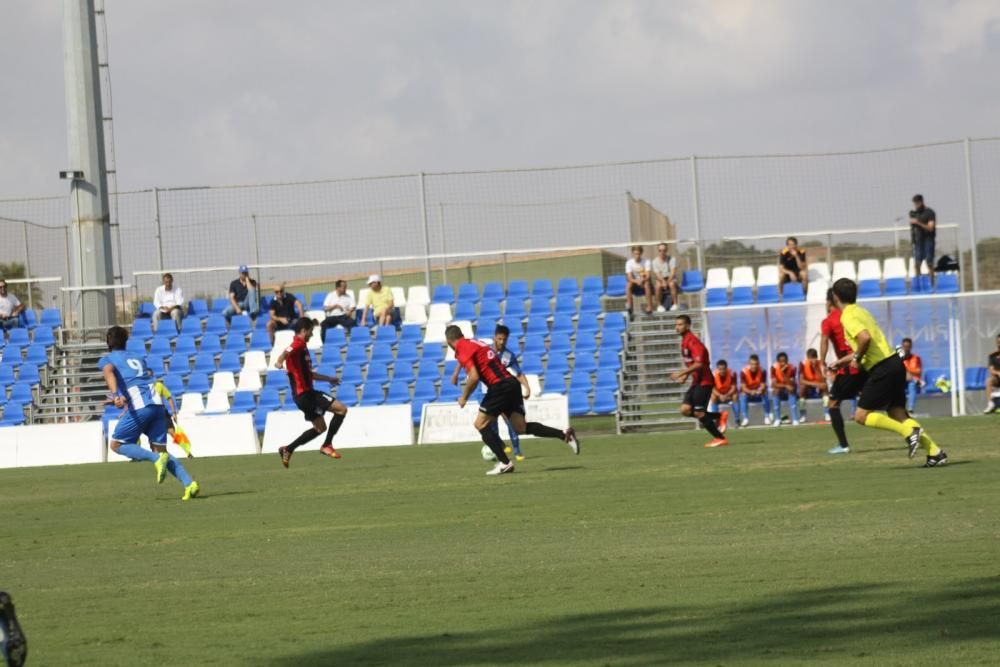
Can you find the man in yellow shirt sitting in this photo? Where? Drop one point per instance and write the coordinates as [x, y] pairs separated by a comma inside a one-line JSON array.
[[885, 388], [380, 301]]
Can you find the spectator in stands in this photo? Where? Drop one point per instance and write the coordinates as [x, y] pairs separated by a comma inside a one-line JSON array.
[[637, 272], [783, 388], [285, 309], [664, 278], [923, 223], [792, 265], [339, 309], [725, 389], [812, 381], [242, 296], [753, 389], [10, 308], [914, 374], [380, 300], [992, 378], [168, 301]]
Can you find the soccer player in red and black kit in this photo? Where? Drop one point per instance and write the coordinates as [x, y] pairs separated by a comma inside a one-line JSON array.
[[312, 403], [503, 397], [849, 380], [697, 397]]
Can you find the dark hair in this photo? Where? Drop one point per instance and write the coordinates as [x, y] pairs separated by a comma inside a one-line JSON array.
[[452, 332], [501, 329], [303, 324], [721, 362], [908, 340], [637, 247], [116, 338], [782, 354], [829, 295], [846, 290], [792, 238], [812, 353], [918, 199], [340, 282], [684, 318], [754, 357], [168, 275]]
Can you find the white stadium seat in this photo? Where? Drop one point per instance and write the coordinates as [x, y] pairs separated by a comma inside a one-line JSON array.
[[439, 312], [894, 267], [217, 403], [317, 315], [255, 361], [223, 381], [191, 403], [743, 277], [418, 294], [534, 384], [398, 297], [844, 268], [414, 313], [767, 275], [282, 339], [869, 269], [717, 278], [819, 271], [362, 295], [434, 332], [249, 380], [911, 271]]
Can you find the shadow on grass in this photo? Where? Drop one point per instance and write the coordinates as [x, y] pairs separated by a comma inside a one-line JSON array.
[[845, 623]]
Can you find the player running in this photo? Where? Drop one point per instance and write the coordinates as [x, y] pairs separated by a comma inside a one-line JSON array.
[[128, 380], [885, 387], [313, 404], [699, 369], [503, 397], [848, 381]]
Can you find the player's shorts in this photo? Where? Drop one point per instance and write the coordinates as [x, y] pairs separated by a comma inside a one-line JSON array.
[[313, 403], [812, 392], [755, 398], [637, 290], [698, 396], [150, 420], [503, 398], [885, 387], [785, 395], [847, 386]]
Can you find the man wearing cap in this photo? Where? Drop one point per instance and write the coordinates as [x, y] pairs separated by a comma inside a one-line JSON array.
[[242, 296], [379, 299]]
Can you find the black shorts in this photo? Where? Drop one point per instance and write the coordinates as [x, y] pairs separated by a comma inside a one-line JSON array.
[[638, 290], [503, 398], [847, 386], [885, 387], [698, 396], [313, 403]]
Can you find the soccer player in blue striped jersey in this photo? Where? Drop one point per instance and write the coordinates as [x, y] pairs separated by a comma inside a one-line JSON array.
[[129, 381]]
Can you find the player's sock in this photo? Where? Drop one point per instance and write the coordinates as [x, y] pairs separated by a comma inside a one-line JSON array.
[[708, 421], [178, 471], [302, 439], [333, 428], [925, 439], [137, 453], [493, 441], [887, 423], [515, 440], [543, 431], [837, 422]]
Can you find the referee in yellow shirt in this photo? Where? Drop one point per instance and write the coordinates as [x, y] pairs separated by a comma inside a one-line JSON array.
[[885, 388]]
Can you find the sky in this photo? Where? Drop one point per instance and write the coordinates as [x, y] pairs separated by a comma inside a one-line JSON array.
[[248, 91]]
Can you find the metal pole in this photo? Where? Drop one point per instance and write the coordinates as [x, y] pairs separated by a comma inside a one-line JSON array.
[[27, 264], [972, 214], [444, 249], [952, 365], [256, 253], [159, 230], [697, 212], [506, 282], [829, 252], [427, 234], [959, 381]]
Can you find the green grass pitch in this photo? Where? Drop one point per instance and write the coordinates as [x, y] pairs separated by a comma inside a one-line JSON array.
[[644, 550]]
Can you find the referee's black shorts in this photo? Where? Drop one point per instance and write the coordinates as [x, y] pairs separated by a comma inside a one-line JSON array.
[[698, 397], [313, 403], [885, 387], [503, 398], [847, 386]]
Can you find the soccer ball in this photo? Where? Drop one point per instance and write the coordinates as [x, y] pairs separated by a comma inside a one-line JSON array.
[[488, 454]]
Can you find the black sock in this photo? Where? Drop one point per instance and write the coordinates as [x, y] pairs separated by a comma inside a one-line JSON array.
[[709, 423], [495, 443], [543, 431], [302, 439], [837, 422], [333, 428], [713, 415]]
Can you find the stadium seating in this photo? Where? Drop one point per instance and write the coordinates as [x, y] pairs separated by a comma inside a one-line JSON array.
[[716, 296], [844, 268], [691, 281], [947, 283], [717, 278], [792, 292], [975, 378], [593, 285], [616, 285], [568, 287], [443, 294]]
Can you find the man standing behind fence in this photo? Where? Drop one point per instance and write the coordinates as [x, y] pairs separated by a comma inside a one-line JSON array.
[[169, 303], [923, 223]]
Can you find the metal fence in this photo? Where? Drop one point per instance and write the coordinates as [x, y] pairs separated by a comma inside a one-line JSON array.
[[709, 199]]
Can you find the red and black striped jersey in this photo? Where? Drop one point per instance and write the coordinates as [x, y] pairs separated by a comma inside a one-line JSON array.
[[482, 357]]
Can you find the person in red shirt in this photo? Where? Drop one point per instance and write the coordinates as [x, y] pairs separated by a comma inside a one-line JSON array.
[[783, 389], [753, 389], [725, 389], [313, 404], [914, 374], [848, 381], [699, 369], [503, 397], [812, 381]]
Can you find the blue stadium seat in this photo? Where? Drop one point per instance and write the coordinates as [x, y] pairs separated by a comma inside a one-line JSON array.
[[975, 378], [540, 306], [377, 373], [534, 343], [136, 346], [585, 343], [590, 304], [537, 324], [616, 285], [565, 304], [493, 290], [465, 310], [260, 419], [517, 289], [219, 304], [489, 310], [160, 346], [562, 323], [168, 330], [211, 343], [605, 402], [614, 322], [190, 326], [428, 369], [607, 380], [335, 337], [407, 352], [259, 340], [174, 383], [242, 403], [216, 324], [198, 382], [6, 374], [28, 373], [542, 289], [557, 364], [403, 371], [921, 284], [240, 324], [316, 300], [443, 294], [230, 361], [468, 292], [385, 334], [579, 404], [411, 332], [449, 392], [531, 364], [716, 296], [767, 294], [742, 296], [155, 364], [146, 309], [204, 362], [931, 376], [792, 293], [51, 317], [233, 343], [275, 378], [867, 289], [514, 311], [432, 351], [351, 374], [588, 325], [398, 394], [43, 335], [269, 399], [185, 346], [198, 308], [357, 352], [449, 368], [568, 287], [417, 409], [895, 287], [21, 392], [692, 281], [608, 359], [559, 343], [584, 362], [947, 283], [13, 414], [593, 285], [142, 329], [580, 382], [28, 319], [424, 390], [36, 354]]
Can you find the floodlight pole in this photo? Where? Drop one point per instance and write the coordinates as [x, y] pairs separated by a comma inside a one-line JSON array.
[[972, 216], [91, 257]]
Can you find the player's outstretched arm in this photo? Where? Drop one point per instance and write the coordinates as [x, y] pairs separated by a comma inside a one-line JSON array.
[[326, 378], [280, 361], [471, 380]]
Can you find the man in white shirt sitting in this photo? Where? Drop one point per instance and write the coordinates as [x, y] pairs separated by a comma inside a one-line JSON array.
[[339, 307], [168, 301], [10, 309], [637, 272]]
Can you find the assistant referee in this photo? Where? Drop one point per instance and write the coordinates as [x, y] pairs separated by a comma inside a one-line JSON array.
[[885, 388]]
